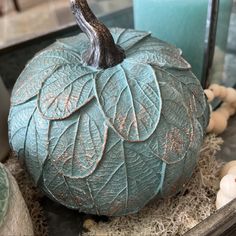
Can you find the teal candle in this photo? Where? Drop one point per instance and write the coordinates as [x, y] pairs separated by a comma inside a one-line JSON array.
[[182, 23]]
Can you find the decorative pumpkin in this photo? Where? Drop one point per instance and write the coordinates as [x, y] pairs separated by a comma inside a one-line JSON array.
[[105, 129], [14, 215]]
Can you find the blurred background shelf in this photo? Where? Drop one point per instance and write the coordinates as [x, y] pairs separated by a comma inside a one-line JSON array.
[[27, 22], [31, 18]]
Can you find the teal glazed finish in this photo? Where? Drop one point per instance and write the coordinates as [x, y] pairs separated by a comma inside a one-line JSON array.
[[107, 141]]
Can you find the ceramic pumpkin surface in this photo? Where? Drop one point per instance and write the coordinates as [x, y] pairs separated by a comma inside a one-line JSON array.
[[109, 119], [4, 195], [14, 215]]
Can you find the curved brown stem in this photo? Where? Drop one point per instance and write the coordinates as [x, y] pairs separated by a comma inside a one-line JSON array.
[[103, 53]]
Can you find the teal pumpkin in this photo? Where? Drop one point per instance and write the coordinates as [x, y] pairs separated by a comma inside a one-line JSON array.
[[107, 141]]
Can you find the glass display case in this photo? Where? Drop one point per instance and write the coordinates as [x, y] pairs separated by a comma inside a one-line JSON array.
[[15, 53]]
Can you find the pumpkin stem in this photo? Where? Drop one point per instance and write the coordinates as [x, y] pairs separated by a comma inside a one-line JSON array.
[[103, 53]]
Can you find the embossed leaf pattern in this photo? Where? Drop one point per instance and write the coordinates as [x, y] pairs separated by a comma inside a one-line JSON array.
[[77, 143], [29, 125], [175, 134], [39, 68], [189, 87], [130, 98], [177, 174], [128, 177], [155, 52], [127, 38], [205, 118], [36, 144], [19, 119], [4, 194], [194, 97], [67, 90], [57, 187], [191, 91], [79, 43]]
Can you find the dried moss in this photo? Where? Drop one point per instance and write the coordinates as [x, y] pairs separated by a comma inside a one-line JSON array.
[[176, 215]]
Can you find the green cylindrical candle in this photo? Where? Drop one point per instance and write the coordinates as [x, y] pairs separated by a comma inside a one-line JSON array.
[[182, 23]]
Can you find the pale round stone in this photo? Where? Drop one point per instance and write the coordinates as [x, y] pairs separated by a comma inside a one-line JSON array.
[[210, 95], [226, 168], [234, 105], [223, 92], [220, 122], [222, 200], [231, 96], [215, 88], [224, 110], [228, 186], [232, 170], [230, 108]]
